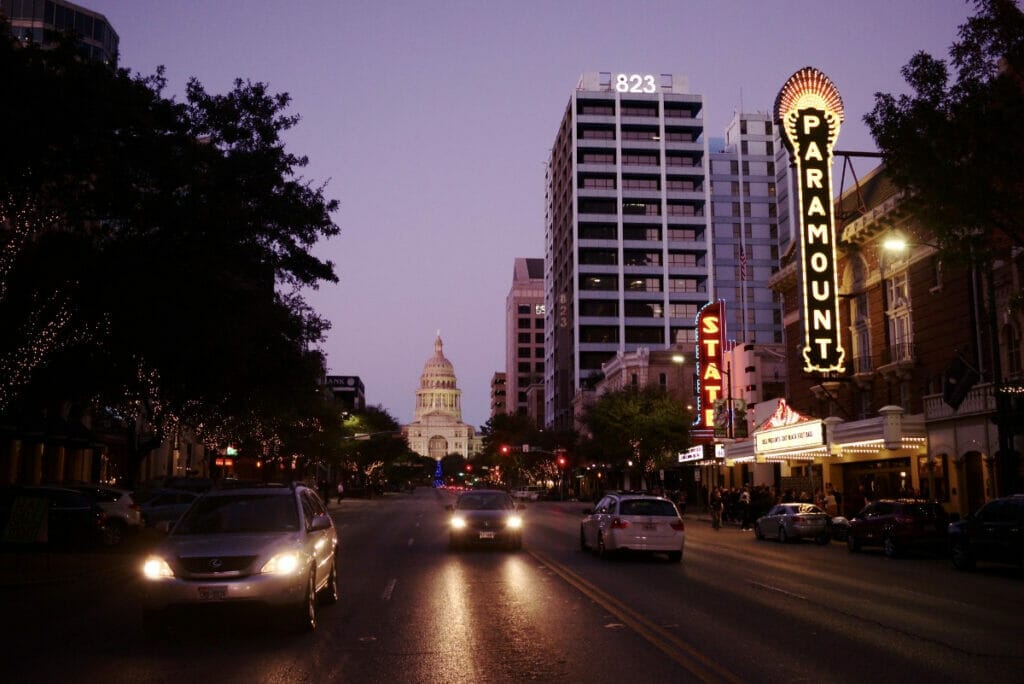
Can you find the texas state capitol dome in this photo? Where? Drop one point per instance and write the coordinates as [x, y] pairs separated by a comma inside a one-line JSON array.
[[437, 428]]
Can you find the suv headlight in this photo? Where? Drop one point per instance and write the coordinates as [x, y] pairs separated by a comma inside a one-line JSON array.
[[282, 564], [514, 522], [458, 522], [156, 568]]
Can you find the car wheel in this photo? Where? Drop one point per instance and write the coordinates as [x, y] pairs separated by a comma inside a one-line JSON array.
[[783, 536], [961, 556], [890, 547], [758, 532], [329, 594], [583, 540], [852, 543], [305, 610], [454, 544], [675, 556], [113, 532]]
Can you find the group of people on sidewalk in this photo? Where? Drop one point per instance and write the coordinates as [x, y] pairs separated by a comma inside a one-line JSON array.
[[746, 504]]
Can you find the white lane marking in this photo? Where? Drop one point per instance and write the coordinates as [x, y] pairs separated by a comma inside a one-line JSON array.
[[781, 591], [388, 589]]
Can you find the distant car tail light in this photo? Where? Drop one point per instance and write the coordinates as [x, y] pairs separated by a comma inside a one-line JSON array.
[[619, 524], [678, 525], [903, 519]]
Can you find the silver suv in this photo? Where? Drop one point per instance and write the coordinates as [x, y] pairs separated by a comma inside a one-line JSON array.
[[275, 546]]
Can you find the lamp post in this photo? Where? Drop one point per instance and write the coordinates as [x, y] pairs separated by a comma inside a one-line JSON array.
[[679, 360]]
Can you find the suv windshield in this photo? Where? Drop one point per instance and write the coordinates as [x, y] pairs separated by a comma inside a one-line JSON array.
[[242, 513], [484, 502]]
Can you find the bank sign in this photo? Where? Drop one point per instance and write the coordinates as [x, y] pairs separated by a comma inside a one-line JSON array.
[[809, 111]]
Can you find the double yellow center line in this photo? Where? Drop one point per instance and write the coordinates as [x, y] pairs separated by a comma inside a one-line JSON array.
[[684, 654]]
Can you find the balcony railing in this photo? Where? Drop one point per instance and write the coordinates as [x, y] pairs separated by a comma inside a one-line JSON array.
[[980, 400], [863, 364]]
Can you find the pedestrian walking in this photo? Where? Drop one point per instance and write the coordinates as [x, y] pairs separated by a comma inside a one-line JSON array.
[[716, 505], [341, 490]]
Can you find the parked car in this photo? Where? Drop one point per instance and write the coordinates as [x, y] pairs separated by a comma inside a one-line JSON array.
[[274, 547], [54, 516], [898, 525], [531, 493], [124, 515], [994, 534], [791, 521], [840, 528], [633, 522], [165, 505], [487, 517]]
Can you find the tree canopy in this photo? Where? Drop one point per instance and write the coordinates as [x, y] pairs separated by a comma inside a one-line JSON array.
[[955, 143], [644, 425], [155, 251]]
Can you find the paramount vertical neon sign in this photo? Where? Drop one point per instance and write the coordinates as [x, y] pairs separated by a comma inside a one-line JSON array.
[[809, 111]]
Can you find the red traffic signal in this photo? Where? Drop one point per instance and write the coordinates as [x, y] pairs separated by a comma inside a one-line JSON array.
[[504, 449], [561, 461]]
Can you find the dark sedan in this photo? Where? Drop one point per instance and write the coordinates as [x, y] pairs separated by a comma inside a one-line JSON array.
[[486, 517]]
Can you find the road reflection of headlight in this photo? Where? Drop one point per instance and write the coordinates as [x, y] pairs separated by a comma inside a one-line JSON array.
[[514, 522], [155, 568], [282, 564], [458, 523]]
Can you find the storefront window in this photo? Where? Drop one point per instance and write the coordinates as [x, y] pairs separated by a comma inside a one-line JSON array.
[[933, 469]]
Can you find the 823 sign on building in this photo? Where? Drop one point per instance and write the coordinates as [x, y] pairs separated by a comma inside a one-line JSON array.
[[635, 83]]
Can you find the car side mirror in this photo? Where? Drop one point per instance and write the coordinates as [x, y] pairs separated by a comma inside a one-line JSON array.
[[320, 522]]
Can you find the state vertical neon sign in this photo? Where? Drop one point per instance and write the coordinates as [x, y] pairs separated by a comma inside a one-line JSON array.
[[710, 351], [810, 111]]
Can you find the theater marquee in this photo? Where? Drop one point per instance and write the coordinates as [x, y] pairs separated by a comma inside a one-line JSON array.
[[809, 111]]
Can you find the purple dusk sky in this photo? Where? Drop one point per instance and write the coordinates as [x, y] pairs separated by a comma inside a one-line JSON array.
[[432, 121]]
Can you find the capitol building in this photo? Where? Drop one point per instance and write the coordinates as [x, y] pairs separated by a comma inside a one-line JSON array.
[[437, 428]]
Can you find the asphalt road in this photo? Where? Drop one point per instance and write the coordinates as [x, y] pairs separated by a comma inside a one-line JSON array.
[[735, 609]]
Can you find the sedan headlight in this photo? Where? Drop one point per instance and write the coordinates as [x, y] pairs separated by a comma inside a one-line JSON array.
[[514, 522], [282, 564], [156, 568], [458, 523]]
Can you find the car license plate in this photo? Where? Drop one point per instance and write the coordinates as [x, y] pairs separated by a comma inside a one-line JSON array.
[[487, 535], [213, 593]]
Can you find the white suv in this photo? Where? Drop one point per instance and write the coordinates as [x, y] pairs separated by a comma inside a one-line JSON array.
[[271, 545], [530, 493], [123, 514]]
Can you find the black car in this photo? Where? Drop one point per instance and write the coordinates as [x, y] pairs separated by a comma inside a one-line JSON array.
[[487, 517], [994, 534], [53, 516]]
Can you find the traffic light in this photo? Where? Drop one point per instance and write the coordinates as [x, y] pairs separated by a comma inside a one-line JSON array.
[[504, 449], [561, 461]]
